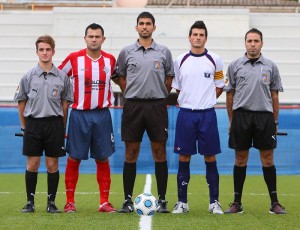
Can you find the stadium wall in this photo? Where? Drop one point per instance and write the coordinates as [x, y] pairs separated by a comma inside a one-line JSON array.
[[226, 29]]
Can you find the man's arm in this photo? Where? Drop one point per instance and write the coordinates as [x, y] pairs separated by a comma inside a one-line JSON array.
[[121, 82], [65, 106], [21, 108], [275, 101], [219, 91], [168, 83], [229, 104]]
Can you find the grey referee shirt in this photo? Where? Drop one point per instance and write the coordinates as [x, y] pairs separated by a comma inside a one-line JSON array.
[[145, 70], [44, 92], [253, 83]]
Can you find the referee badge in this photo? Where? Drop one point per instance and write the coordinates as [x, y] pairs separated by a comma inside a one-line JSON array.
[[264, 78], [226, 81], [55, 92], [157, 65]]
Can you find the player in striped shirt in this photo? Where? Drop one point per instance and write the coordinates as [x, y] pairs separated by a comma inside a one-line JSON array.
[[199, 82], [90, 123]]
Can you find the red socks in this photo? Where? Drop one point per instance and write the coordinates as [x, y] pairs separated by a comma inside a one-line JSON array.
[[103, 178], [71, 178]]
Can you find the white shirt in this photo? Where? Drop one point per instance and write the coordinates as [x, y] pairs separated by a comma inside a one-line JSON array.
[[197, 76]]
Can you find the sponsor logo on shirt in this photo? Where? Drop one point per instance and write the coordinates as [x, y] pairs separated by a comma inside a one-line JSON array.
[[95, 84]]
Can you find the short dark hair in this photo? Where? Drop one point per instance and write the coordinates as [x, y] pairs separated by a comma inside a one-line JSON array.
[[198, 25], [94, 26], [45, 39], [145, 14], [256, 31]]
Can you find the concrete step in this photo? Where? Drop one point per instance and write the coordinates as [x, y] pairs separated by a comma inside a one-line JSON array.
[[278, 55], [274, 41], [21, 23], [281, 19]]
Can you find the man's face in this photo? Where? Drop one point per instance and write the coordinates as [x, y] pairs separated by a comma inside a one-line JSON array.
[[145, 27], [253, 45], [45, 52], [198, 38], [94, 39]]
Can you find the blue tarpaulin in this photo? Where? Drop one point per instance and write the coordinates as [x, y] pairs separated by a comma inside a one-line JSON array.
[[287, 154]]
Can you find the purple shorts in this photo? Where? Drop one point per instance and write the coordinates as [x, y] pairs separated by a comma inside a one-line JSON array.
[[197, 128]]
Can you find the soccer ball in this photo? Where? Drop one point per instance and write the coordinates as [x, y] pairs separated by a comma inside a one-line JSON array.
[[145, 204]]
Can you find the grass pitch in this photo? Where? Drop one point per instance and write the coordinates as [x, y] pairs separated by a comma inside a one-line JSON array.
[[256, 204]]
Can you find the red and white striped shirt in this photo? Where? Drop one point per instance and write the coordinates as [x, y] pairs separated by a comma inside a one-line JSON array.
[[91, 79]]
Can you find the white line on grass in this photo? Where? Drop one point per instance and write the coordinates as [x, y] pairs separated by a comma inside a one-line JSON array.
[[146, 221]]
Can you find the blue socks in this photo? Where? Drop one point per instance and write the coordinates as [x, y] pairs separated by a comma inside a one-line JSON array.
[[183, 179], [212, 178]]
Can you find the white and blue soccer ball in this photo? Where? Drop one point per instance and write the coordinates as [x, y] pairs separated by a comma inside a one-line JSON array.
[[145, 204]]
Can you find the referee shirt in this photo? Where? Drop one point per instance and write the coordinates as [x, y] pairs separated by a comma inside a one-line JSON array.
[[44, 92], [253, 83], [145, 70]]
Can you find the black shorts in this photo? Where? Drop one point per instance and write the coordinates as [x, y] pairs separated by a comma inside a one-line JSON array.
[[249, 128], [44, 134], [142, 115]]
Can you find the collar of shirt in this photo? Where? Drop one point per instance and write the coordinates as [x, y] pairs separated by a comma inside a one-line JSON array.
[[40, 72], [261, 59], [138, 46]]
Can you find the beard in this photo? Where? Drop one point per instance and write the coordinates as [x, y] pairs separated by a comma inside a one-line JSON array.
[[145, 35]]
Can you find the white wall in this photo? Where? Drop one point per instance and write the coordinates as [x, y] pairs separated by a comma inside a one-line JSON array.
[[226, 29]]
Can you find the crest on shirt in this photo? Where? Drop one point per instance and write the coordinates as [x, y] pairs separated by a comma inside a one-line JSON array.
[[264, 78], [207, 75], [157, 65], [106, 69], [55, 92]]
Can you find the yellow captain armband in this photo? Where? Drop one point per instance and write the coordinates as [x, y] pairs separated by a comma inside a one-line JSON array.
[[218, 75]]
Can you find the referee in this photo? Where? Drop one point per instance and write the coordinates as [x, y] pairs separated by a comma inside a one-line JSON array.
[[43, 95], [145, 72], [252, 97]]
